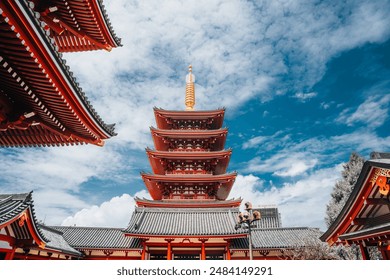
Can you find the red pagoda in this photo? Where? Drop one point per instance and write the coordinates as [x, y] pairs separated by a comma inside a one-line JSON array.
[[189, 216]]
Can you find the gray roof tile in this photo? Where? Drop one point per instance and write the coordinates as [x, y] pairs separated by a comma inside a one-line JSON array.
[[12, 205], [57, 241], [97, 237], [183, 221], [278, 238]]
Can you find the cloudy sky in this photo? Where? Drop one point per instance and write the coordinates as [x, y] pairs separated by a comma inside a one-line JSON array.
[[305, 83]]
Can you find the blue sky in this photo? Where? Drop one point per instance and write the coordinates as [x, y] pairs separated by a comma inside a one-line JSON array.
[[305, 83]]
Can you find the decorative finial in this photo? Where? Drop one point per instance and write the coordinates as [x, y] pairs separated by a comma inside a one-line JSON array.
[[190, 90]]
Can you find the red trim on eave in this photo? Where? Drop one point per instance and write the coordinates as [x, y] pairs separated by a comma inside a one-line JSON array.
[[187, 236], [38, 50], [103, 25], [354, 210]]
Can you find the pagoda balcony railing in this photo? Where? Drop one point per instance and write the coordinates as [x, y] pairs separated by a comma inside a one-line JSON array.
[[190, 150], [191, 172]]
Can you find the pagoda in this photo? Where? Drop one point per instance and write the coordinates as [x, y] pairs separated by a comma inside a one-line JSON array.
[[189, 216]]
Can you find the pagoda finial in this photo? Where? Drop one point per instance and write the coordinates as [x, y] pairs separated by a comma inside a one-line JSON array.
[[190, 90]]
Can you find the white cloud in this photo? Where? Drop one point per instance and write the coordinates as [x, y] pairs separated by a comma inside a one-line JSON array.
[[302, 203], [304, 97], [284, 164], [253, 142], [113, 213], [373, 112]]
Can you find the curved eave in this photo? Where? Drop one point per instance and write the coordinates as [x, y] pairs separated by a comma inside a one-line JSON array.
[[26, 218], [163, 116], [79, 25], [190, 133], [187, 204], [157, 158], [84, 121], [158, 136], [225, 182], [223, 236], [355, 203]]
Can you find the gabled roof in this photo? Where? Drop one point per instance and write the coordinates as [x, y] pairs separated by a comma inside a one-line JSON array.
[[190, 222], [44, 105], [97, 238], [366, 213], [81, 25], [271, 238], [17, 211], [57, 242]]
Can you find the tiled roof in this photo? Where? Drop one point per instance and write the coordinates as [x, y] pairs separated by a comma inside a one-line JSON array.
[[57, 241], [96, 237], [278, 238], [183, 222], [270, 217], [12, 205]]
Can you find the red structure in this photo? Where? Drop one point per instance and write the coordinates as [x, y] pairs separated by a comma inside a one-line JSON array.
[[365, 218], [189, 216], [40, 101]]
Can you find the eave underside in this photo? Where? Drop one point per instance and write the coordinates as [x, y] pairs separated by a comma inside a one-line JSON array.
[[169, 119], [78, 25], [37, 89], [367, 209]]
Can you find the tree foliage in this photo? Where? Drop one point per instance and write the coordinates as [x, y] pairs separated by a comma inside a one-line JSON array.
[[344, 187]]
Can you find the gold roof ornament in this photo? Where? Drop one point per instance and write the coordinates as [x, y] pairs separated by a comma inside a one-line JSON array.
[[190, 90]]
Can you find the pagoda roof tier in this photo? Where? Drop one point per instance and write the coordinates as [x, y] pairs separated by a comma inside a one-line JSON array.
[[188, 203], [184, 222], [189, 186], [167, 119], [41, 103], [166, 140], [218, 160], [81, 25], [366, 214]]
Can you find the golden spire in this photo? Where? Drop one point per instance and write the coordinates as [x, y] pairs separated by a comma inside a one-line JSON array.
[[190, 90]]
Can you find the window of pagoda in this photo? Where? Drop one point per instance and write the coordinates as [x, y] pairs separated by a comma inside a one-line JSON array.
[[191, 145], [190, 166], [189, 191], [191, 124]]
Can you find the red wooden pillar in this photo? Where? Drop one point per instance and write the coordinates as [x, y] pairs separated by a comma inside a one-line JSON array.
[[10, 254], [364, 251], [169, 249], [143, 254], [203, 248], [228, 254]]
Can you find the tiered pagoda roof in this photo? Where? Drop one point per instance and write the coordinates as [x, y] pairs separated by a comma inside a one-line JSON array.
[[40, 101]]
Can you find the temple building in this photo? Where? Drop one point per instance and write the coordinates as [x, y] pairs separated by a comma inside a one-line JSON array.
[[189, 216], [41, 104], [365, 218]]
